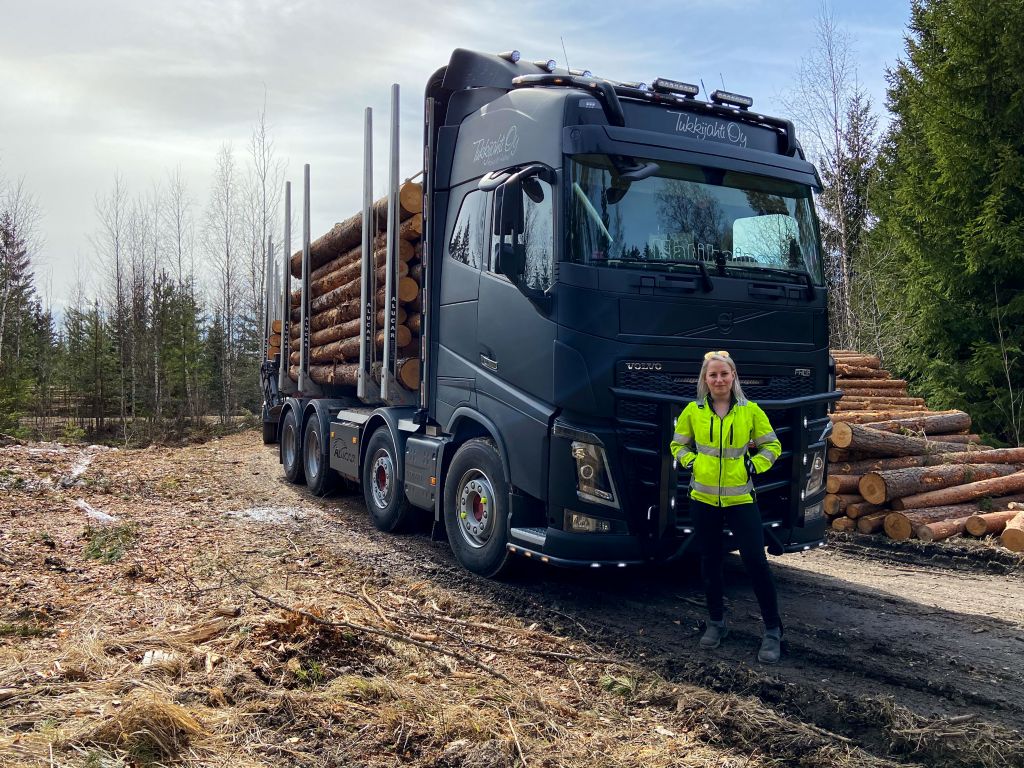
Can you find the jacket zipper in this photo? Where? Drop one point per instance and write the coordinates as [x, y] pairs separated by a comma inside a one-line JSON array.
[[721, 447], [721, 456]]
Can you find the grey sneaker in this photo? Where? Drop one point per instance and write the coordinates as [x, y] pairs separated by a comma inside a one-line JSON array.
[[714, 634], [771, 646]]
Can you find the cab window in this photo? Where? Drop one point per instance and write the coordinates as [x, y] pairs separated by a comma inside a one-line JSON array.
[[467, 243]]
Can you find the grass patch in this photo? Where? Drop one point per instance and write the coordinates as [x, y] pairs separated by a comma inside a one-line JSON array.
[[311, 674], [150, 728], [109, 543], [15, 629]]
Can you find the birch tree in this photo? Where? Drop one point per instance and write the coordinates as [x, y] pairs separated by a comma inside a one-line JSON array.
[[222, 241], [839, 133]]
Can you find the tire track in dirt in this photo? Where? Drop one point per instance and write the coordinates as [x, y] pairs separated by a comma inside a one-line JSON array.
[[861, 628]]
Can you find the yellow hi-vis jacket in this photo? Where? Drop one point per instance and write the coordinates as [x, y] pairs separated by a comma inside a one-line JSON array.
[[715, 449]]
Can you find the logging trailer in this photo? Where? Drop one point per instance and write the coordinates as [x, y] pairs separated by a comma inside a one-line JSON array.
[[584, 242]]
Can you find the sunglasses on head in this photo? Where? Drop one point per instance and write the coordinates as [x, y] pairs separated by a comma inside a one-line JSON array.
[[721, 353]]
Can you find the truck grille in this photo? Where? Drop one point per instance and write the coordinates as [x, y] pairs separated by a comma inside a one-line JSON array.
[[644, 440], [684, 386]]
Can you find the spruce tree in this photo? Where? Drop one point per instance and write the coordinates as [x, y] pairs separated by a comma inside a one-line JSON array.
[[953, 206]]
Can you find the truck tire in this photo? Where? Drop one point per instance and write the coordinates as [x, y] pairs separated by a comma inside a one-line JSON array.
[[476, 508], [269, 432], [316, 462], [385, 498], [291, 448]]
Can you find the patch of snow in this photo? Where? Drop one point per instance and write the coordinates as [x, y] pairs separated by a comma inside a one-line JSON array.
[[275, 515], [82, 464], [94, 513]]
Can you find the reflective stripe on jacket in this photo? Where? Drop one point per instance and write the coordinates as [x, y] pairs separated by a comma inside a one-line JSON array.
[[714, 448]]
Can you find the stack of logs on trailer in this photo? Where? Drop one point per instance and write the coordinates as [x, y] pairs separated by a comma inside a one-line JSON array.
[[334, 296], [898, 467]]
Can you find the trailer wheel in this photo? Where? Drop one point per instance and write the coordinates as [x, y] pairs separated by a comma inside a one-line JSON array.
[[385, 498], [291, 455], [476, 508], [320, 478]]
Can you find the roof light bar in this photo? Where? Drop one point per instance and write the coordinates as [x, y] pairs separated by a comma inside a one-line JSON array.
[[512, 56], [732, 99], [548, 65], [664, 85]]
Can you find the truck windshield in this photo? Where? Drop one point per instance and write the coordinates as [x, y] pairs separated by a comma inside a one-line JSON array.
[[686, 214]]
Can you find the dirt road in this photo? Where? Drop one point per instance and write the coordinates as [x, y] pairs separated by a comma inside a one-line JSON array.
[[894, 654]]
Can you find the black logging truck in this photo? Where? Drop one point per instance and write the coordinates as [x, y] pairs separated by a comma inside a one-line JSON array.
[[584, 243]]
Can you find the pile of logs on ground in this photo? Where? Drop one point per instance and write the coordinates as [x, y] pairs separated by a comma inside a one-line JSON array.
[[910, 472], [334, 295]]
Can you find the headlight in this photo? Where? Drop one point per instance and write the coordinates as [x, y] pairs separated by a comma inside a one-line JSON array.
[[816, 474], [593, 478]]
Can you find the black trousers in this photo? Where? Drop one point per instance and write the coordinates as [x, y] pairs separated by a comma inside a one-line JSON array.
[[744, 520]]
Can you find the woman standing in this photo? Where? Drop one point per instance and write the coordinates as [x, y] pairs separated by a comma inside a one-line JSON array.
[[714, 437]]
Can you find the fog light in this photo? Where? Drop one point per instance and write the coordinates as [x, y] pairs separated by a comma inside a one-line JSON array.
[[813, 512], [576, 522]]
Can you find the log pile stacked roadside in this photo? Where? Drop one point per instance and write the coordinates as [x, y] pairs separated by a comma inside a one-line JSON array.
[[898, 467], [334, 295]]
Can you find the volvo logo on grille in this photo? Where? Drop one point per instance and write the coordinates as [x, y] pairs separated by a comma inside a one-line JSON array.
[[637, 366], [725, 321]]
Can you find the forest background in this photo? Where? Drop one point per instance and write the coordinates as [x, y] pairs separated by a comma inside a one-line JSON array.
[[922, 228]]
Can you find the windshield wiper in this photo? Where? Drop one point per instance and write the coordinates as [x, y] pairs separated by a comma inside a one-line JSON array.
[[804, 275], [705, 277]]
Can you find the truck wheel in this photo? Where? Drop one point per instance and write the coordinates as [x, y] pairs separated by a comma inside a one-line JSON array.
[[320, 478], [269, 432], [385, 498], [291, 455], [476, 508]]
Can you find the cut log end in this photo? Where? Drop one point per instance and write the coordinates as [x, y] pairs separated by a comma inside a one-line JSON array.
[[1013, 535], [842, 435], [872, 488], [843, 524], [897, 526], [872, 523]]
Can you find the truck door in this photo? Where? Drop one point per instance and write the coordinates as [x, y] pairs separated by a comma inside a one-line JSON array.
[[457, 360], [516, 336]]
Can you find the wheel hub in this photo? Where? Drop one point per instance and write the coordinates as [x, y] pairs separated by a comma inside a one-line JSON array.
[[476, 509], [383, 484]]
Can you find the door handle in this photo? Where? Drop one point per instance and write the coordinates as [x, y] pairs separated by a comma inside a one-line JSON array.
[[488, 363]]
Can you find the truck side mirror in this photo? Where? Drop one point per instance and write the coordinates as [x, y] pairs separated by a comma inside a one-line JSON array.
[[510, 260], [508, 209]]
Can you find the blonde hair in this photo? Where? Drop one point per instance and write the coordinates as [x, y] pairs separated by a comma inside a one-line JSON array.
[[702, 380]]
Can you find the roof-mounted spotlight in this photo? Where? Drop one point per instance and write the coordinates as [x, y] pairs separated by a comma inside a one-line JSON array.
[[512, 56], [732, 99], [664, 85], [637, 86], [581, 72], [547, 66]]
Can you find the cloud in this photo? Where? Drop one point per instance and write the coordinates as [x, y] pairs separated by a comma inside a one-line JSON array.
[[93, 88]]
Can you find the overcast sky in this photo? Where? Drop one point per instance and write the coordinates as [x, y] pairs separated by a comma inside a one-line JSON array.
[[92, 88]]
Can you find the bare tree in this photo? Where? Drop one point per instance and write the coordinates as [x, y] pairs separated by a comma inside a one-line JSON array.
[[834, 112], [179, 229], [221, 240], [264, 188]]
